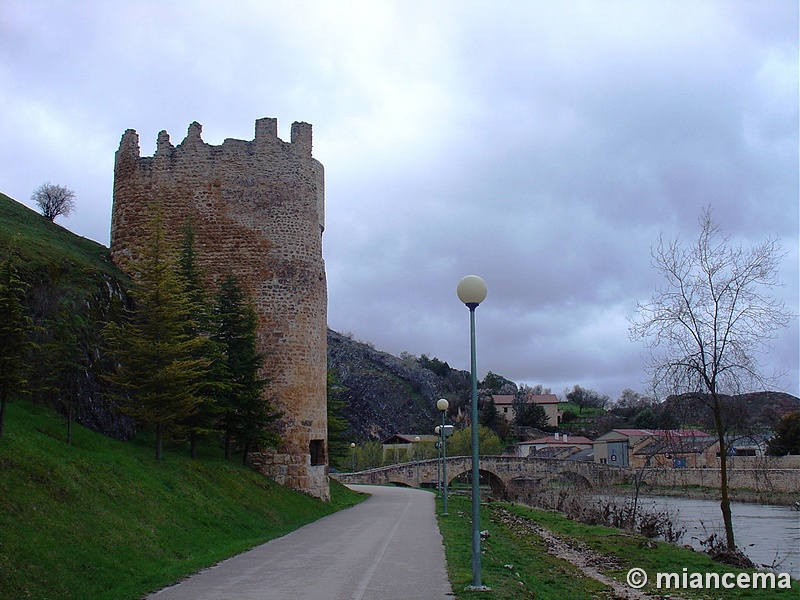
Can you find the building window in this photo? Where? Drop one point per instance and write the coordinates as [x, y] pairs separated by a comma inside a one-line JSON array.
[[317, 450]]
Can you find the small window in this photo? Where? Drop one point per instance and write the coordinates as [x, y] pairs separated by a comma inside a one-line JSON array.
[[317, 450]]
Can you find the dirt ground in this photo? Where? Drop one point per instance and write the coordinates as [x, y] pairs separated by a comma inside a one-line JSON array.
[[589, 562]]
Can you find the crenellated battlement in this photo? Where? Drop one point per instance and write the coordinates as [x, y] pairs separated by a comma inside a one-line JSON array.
[[266, 133], [257, 208]]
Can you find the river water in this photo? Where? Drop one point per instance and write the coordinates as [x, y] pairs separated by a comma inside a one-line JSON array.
[[768, 534]]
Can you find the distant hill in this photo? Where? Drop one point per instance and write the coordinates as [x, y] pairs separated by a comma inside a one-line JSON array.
[[756, 411]]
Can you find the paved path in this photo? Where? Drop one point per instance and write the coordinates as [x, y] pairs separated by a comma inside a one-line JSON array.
[[386, 548]]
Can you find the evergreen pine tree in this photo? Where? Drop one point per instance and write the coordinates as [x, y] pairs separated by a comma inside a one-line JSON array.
[[489, 415], [532, 415], [203, 420], [787, 436], [67, 357], [15, 325], [158, 367], [246, 416]]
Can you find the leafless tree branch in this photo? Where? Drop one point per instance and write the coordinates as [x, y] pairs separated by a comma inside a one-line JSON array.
[[706, 327], [54, 200]]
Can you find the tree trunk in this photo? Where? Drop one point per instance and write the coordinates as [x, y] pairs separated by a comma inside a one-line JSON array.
[[227, 445], [725, 503], [245, 453], [193, 444], [638, 479]]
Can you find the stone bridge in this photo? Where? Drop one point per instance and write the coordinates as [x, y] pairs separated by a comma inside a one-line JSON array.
[[500, 472]]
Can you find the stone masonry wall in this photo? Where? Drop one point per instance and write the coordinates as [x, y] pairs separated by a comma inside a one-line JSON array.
[[758, 479], [257, 208]]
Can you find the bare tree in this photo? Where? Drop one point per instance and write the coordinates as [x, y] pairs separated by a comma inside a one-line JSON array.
[[54, 200], [705, 328]]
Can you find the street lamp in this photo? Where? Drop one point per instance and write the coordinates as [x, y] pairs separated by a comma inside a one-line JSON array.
[[471, 291], [442, 405], [353, 457]]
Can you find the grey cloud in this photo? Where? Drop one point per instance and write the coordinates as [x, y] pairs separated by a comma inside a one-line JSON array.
[[544, 146]]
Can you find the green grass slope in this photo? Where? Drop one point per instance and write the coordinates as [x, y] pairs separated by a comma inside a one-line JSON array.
[[72, 290], [42, 244], [102, 519]]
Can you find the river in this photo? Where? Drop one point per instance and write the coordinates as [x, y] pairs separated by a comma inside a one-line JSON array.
[[764, 532]]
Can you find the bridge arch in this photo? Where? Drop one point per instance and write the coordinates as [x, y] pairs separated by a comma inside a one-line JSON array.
[[494, 480], [399, 482], [574, 478]]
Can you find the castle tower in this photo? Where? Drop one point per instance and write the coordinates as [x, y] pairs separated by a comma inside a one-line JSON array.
[[257, 208]]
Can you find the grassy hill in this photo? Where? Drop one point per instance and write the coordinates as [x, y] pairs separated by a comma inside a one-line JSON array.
[[43, 245], [102, 519], [73, 288]]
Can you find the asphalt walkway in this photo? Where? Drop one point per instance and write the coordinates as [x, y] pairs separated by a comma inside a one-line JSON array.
[[385, 548]]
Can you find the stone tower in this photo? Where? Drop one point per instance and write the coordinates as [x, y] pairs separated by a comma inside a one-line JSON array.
[[257, 208]]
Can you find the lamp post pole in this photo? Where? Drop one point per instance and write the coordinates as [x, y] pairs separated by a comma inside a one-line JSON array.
[[437, 431], [415, 448], [352, 457], [442, 405], [472, 291]]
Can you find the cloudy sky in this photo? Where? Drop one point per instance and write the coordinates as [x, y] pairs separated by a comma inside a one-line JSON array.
[[543, 145]]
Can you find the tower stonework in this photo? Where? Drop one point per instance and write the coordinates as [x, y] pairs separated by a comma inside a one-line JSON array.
[[256, 209]]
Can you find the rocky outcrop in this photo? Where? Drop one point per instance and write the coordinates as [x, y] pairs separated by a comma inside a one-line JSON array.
[[384, 394]]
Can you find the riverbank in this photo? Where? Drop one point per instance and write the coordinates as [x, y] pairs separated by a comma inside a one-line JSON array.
[[530, 553], [705, 493]]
